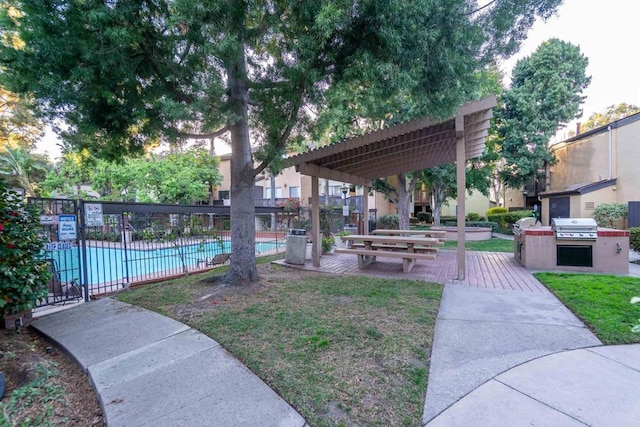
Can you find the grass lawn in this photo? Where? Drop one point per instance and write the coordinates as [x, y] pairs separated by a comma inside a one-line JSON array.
[[600, 301], [343, 350], [492, 245]]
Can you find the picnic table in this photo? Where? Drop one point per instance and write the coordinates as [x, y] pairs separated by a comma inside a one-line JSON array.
[[409, 248], [441, 235]]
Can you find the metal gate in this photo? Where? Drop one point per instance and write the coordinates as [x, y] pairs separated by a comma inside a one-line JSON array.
[[62, 252], [634, 214]]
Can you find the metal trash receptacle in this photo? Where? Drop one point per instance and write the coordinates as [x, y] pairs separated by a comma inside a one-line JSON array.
[[296, 246], [351, 229]]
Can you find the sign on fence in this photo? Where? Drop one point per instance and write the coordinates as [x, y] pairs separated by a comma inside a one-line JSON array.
[[48, 219], [58, 246], [93, 215], [67, 228]]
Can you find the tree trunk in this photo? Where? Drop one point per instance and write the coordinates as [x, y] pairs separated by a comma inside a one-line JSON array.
[[243, 259], [438, 199], [404, 200], [272, 200]]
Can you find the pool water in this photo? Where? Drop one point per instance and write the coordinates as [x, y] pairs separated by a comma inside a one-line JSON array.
[[116, 265]]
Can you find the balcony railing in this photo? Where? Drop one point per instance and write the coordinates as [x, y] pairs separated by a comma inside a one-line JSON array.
[[258, 202]]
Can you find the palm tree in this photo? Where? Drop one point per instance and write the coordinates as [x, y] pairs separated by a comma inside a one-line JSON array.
[[20, 166]]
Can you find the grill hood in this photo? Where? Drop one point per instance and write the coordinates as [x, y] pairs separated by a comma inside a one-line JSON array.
[[575, 228]]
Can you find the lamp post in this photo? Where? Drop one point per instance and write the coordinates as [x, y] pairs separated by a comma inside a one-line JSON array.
[[345, 208]]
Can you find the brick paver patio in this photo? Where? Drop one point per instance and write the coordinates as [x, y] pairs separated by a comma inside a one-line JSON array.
[[497, 270]]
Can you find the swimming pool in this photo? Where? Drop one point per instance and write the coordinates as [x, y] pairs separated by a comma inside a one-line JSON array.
[[116, 265]]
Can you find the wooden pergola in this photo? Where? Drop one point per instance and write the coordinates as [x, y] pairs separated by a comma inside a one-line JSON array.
[[411, 146]]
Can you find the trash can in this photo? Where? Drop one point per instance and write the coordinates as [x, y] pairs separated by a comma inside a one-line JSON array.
[[351, 228], [296, 246]]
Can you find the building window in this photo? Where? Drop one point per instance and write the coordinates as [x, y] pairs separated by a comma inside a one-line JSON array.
[[294, 192], [267, 192], [222, 195]]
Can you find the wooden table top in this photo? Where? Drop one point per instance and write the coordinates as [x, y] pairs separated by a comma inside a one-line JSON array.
[[416, 240], [409, 232]]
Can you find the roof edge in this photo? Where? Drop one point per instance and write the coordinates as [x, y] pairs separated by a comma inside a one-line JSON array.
[[585, 189]]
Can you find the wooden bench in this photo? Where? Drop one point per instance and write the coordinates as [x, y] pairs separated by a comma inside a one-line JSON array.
[[419, 249], [368, 256]]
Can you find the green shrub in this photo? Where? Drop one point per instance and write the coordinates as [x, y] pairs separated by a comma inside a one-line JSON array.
[[327, 243], [389, 222], [607, 214], [23, 277], [634, 238], [413, 221], [472, 216], [496, 210], [507, 219], [425, 217]]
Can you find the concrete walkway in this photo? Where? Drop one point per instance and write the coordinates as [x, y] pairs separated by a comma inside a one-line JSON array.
[[149, 370], [512, 358]]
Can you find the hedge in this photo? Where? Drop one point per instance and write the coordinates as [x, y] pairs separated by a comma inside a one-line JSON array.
[[634, 238], [509, 218], [496, 210], [425, 217], [389, 222]]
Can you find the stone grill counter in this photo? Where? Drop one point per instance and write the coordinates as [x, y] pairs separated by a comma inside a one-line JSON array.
[[538, 248]]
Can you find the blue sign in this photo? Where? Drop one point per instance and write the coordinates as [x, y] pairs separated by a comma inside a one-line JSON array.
[[67, 227]]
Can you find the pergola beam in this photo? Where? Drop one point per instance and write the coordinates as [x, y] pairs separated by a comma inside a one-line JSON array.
[[332, 174]]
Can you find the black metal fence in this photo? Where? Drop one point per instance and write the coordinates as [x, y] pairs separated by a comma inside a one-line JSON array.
[[112, 245]]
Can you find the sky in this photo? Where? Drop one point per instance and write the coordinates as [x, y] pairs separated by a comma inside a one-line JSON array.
[[604, 31]]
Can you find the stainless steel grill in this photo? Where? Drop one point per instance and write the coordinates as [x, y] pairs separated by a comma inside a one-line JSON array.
[[575, 228]]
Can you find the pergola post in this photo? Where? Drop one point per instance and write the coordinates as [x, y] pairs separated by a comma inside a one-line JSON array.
[[365, 209], [461, 189], [315, 222]]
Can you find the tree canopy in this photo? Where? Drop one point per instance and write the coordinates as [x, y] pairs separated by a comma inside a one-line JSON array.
[[176, 177], [125, 73], [18, 126], [545, 94], [611, 114]]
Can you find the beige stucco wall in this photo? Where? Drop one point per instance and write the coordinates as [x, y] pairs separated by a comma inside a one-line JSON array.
[[225, 170], [587, 160], [474, 203], [627, 166], [513, 198]]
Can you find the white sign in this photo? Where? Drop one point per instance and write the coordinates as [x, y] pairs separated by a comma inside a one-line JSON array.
[[58, 246], [67, 229], [48, 219], [345, 211], [93, 215]]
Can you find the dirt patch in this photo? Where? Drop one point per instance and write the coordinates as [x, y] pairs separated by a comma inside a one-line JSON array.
[[215, 294], [43, 383]]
